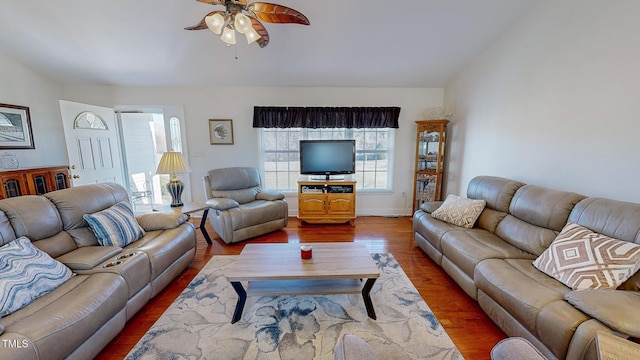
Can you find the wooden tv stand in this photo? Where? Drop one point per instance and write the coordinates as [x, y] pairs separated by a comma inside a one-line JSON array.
[[326, 201]]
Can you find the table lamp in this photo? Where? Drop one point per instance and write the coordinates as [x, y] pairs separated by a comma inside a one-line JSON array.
[[173, 163]]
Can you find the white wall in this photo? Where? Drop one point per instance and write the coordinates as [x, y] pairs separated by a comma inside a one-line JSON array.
[[202, 104], [22, 86], [554, 102]]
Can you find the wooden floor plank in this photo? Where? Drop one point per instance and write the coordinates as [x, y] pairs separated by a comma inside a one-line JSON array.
[[467, 325]]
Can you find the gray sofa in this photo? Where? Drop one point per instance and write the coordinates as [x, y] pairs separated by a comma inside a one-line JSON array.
[[492, 263], [241, 208], [80, 317]]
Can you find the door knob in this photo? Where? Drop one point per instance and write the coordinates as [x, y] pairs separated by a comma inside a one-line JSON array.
[[76, 176], [73, 166]]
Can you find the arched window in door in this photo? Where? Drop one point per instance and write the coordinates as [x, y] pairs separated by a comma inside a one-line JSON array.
[[89, 120], [176, 136]]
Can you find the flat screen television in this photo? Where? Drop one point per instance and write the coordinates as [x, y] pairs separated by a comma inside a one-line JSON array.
[[327, 157]]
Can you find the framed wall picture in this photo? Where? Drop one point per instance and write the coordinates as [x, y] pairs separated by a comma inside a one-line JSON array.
[[221, 131], [15, 127]]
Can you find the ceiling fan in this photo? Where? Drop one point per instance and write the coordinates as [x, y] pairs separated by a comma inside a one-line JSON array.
[[245, 18]]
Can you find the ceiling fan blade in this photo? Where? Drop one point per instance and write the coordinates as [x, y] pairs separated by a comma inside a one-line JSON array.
[[212, 2], [202, 24], [259, 28], [274, 13]]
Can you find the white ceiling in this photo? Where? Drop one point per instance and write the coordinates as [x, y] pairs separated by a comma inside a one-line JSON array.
[[350, 43]]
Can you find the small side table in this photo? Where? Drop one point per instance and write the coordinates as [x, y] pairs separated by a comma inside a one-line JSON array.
[[189, 208], [612, 347]]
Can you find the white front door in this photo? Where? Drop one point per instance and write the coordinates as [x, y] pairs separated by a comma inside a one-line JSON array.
[[92, 143]]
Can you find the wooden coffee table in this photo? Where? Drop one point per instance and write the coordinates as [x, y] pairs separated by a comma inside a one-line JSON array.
[[277, 269]]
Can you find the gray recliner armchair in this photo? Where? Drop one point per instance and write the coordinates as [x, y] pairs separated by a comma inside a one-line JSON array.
[[240, 208]]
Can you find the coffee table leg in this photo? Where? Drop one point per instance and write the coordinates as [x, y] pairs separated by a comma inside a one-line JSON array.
[[202, 224], [242, 297], [367, 299]]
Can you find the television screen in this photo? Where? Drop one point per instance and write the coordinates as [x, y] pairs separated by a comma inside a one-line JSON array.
[[327, 157]]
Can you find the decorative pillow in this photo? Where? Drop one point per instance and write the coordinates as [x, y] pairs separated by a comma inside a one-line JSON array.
[[27, 273], [115, 226], [459, 211], [583, 259]]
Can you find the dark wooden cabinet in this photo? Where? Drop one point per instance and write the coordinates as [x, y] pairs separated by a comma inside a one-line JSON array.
[[33, 181]]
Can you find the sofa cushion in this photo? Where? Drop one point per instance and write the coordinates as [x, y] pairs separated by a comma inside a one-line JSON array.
[[543, 207], [27, 273], [115, 226], [269, 195], [459, 211], [161, 221], [583, 259], [526, 300], [496, 191], [222, 203], [615, 308], [515, 348], [469, 247]]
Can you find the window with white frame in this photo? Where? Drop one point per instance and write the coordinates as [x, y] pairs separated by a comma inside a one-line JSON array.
[[281, 155]]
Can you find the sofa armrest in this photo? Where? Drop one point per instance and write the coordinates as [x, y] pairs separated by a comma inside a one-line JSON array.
[[161, 221], [430, 206], [222, 203], [88, 257], [269, 195], [617, 309]]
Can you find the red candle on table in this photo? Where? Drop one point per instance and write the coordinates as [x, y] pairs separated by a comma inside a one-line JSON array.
[[306, 251]]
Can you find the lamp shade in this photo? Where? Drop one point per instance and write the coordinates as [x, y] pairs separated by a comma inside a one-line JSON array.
[[228, 36], [173, 162], [215, 22]]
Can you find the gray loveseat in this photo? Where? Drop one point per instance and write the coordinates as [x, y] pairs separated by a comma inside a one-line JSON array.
[[80, 317], [493, 263]]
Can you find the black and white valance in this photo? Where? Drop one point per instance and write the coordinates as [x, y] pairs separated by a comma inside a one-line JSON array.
[[325, 117]]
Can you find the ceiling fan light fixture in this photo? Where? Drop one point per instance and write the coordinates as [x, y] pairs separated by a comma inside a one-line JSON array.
[[245, 17], [215, 22], [252, 35], [242, 23], [228, 36]]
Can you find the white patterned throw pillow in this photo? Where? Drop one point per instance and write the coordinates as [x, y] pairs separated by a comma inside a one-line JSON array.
[[459, 211], [26, 273], [583, 259], [115, 226]]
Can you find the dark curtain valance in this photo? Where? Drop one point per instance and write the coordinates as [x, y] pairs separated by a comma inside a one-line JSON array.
[[325, 117]]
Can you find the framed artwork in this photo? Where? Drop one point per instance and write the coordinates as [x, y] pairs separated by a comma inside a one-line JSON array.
[[221, 131], [15, 127]]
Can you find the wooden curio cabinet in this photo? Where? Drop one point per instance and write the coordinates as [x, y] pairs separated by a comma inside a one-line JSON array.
[[33, 181], [430, 160]]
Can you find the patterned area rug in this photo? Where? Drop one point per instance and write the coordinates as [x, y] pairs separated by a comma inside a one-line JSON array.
[[198, 324]]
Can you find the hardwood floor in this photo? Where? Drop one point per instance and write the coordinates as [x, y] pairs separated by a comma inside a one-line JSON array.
[[467, 325]]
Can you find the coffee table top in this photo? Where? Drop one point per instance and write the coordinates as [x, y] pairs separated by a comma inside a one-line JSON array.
[[282, 262]]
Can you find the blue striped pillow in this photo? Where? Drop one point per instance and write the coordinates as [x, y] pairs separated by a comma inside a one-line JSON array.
[[115, 226], [26, 273]]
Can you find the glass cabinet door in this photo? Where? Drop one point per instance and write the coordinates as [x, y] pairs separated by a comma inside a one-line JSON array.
[[12, 188], [60, 181]]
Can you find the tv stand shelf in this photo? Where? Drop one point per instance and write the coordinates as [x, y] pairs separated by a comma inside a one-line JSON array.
[[322, 201]]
